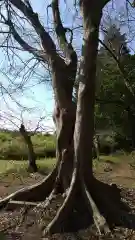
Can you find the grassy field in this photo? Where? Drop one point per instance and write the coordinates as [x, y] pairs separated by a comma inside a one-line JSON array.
[[12, 146], [14, 174], [19, 168], [46, 164], [119, 169]]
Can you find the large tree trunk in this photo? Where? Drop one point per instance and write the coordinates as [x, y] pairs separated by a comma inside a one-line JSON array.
[[85, 191], [84, 188]]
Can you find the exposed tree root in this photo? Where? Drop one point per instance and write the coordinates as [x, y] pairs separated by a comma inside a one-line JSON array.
[[35, 193], [108, 199], [110, 205], [12, 205], [66, 208], [47, 201], [103, 202], [99, 220], [101, 207]]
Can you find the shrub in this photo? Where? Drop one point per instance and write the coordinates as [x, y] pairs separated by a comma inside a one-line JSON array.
[[107, 144]]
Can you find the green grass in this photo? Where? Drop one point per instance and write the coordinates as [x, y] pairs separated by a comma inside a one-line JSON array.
[[10, 166], [12, 146], [113, 159], [117, 158], [20, 167]]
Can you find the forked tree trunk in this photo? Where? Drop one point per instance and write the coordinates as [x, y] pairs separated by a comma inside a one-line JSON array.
[[84, 188], [31, 154], [73, 172]]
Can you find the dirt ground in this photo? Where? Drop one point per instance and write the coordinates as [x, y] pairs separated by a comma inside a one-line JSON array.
[[22, 226]]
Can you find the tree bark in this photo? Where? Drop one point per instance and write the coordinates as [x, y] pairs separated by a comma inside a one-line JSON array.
[[84, 129], [64, 119], [31, 154]]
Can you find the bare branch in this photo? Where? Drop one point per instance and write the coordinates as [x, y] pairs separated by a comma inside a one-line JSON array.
[[28, 4], [4, 32], [13, 47], [61, 32], [39, 54], [131, 4], [46, 39]]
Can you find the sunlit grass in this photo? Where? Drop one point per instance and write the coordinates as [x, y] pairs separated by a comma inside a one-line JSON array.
[[45, 165], [119, 158], [20, 167], [113, 159]]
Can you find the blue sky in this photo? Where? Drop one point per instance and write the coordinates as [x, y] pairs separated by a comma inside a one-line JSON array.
[[40, 96]]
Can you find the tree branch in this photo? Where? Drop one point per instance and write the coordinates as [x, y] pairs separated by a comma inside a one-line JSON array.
[[61, 33], [39, 54], [46, 40]]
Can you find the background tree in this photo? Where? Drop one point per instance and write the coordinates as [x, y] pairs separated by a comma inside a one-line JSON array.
[[116, 104], [23, 127], [31, 154]]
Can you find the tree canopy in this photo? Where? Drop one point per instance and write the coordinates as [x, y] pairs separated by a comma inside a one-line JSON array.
[[116, 106]]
